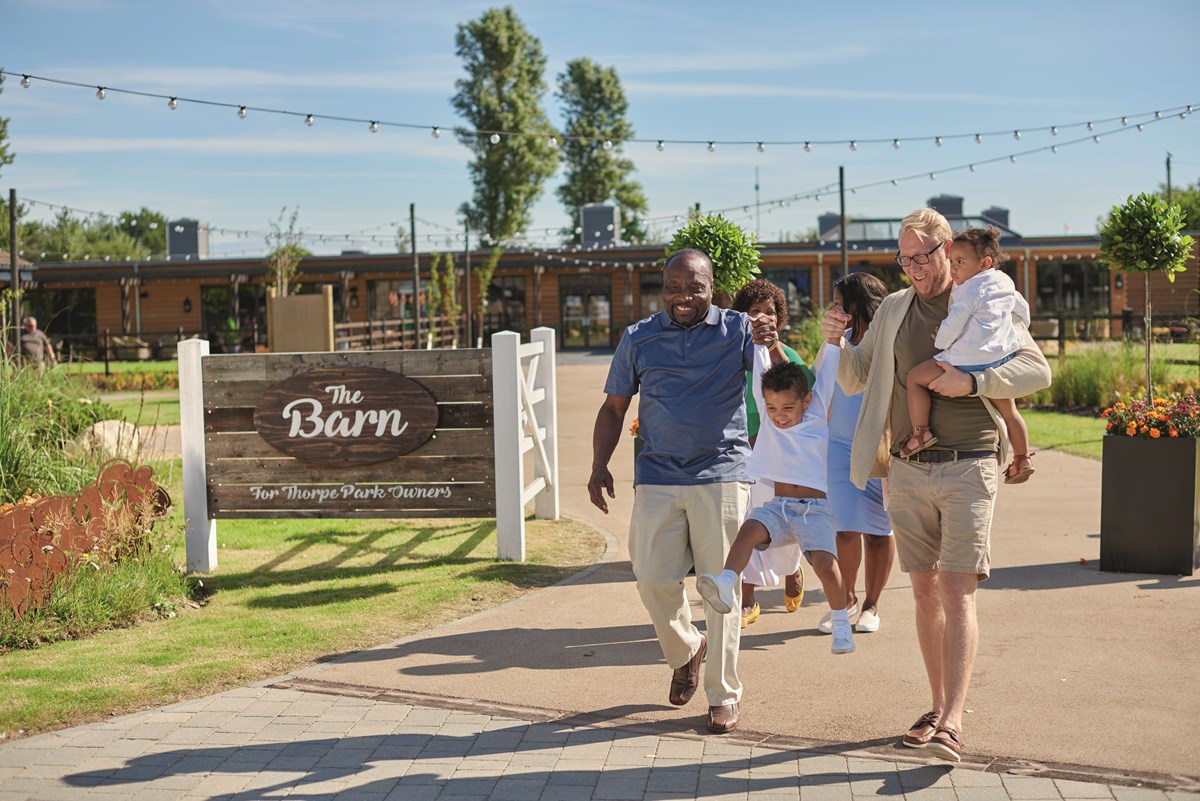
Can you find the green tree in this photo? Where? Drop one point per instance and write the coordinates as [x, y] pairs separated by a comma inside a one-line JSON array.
[[147, 228], [1188, 199], [502, 94], [595, 108], [68, 238], [285, 252]]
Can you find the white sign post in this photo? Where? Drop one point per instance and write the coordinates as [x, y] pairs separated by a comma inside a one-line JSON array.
[[201, 538]]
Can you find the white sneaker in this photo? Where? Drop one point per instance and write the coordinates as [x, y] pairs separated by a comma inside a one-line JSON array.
[[843, 638], [868, 621], [717, 591], [826, 624]]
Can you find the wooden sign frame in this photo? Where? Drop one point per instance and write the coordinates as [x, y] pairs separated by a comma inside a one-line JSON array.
[[473, 464]]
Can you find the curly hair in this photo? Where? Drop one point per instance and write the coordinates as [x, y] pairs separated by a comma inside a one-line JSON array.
[[785, 376], [759, 290], [985, 242]]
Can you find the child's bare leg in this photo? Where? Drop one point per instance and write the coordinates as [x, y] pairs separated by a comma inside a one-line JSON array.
[[1018, 433], [825, 565], [749, 536], [918, 380]]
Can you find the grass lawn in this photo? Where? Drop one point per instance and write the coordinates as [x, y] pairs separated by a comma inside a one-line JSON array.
[[286, 593], [1069, 433], [157, 408], [80, 368]]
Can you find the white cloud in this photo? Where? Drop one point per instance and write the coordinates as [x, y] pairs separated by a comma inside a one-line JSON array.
[[413, 147]]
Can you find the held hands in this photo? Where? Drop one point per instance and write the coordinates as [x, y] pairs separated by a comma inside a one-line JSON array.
[[763, 330], [834, 323], [600, 481]]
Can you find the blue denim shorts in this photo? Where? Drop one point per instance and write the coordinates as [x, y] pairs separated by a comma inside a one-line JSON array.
[[808, 522], [979, 368]]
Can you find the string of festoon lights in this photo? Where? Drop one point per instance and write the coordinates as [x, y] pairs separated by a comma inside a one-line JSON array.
[[452, 236], [555, 138]]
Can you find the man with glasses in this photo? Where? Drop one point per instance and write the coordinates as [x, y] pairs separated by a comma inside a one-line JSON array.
[[940, 500]]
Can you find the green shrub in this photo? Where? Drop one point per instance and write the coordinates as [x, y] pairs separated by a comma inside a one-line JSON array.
[[1093, 375], [140, 381], [40, 412]]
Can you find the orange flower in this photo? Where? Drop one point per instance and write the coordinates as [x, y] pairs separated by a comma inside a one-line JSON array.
[[1105, 412], [1155, 433], [1131, 430], [1174, 432], [633, 429]]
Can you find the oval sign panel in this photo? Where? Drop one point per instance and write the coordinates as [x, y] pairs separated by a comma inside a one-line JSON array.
[[346, 415]]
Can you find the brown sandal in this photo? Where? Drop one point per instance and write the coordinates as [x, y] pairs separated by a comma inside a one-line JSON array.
[[922, 444], [1020, 470]]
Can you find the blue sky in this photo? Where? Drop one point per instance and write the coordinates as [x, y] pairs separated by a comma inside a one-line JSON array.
[[701, 70]]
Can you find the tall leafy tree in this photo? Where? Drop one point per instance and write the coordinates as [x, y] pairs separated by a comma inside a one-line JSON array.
[[502, 93], [146, 227], [1188, 199], [596, 108]]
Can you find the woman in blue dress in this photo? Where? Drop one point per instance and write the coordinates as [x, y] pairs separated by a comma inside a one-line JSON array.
[[859, 515]]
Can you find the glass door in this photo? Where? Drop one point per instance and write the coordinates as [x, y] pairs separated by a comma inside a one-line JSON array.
[[586, 311]]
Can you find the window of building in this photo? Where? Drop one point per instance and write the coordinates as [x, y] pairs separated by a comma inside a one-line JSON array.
[[506, 305]]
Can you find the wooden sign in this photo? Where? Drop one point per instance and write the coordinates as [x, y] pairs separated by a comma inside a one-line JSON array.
[[346, 416]]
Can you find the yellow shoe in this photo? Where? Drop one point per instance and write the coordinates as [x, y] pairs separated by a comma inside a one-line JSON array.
[[792, 602], [751, 616]]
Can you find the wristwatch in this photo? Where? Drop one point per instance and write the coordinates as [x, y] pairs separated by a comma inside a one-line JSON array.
[[974, 385]]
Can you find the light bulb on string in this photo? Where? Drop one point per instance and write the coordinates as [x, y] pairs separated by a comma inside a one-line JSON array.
[[308, 120], [241, 112], [853, 145], [1017, 135], [1096, 139], [817, 197], [712, 147], [1140, 127], [895, 182], [761, 147], [933, 176], [1091, 127], [25, 83], [1183, 115], [937, 140], [373, 127], [607, 144], [1012, 159], [1158, 115], [494, 139], [971, 167], [100, 93], [1124, 121], [978, 139], [1054, 148], [808, 147], [172, 104], [895, 144], [552, 141], [659, 146], [436, 132]]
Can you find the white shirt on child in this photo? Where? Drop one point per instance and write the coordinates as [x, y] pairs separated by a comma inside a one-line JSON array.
[[979, 329], [796, 455]]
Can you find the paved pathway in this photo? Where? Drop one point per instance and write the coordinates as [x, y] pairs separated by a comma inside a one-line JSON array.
[[265, 743]]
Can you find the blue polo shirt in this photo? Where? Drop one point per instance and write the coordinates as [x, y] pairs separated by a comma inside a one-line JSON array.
[[692, 381]]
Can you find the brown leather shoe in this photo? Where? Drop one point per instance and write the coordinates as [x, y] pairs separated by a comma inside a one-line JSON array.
[[723, 719], [921, 732], [686, 679], [945, 744]]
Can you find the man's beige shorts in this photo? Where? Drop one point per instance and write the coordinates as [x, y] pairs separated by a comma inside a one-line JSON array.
[[942, 514]]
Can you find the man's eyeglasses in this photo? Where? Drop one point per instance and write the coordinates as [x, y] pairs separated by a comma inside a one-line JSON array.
[[920, 258]]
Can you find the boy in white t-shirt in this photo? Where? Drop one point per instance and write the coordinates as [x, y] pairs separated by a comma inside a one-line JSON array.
[[791, 454], [978, 333]]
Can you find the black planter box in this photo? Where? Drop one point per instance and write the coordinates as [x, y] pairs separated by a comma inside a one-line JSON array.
[[1150, 506]]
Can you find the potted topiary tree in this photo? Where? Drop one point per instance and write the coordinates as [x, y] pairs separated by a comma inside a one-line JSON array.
[[1150, 481], [732, 250]]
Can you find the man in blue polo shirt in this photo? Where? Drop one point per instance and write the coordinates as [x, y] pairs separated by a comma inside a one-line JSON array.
[[688, 363]]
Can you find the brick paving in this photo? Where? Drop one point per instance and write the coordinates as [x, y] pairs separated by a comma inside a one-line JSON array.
[[268, 742]]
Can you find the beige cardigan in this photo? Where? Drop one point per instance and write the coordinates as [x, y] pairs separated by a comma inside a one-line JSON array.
[[871, 368]]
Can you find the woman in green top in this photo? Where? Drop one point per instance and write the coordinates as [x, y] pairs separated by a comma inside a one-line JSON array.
[[766, 567]]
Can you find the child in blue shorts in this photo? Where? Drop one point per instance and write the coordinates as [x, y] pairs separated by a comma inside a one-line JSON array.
[[791, 453]]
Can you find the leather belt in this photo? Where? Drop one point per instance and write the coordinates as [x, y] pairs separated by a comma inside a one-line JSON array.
[[936, 457]]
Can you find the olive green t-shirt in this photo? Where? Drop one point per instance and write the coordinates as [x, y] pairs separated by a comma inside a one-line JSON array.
[[960, 424]]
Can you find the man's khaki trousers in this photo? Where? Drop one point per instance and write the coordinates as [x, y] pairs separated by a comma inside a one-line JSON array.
[[673, 527]]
